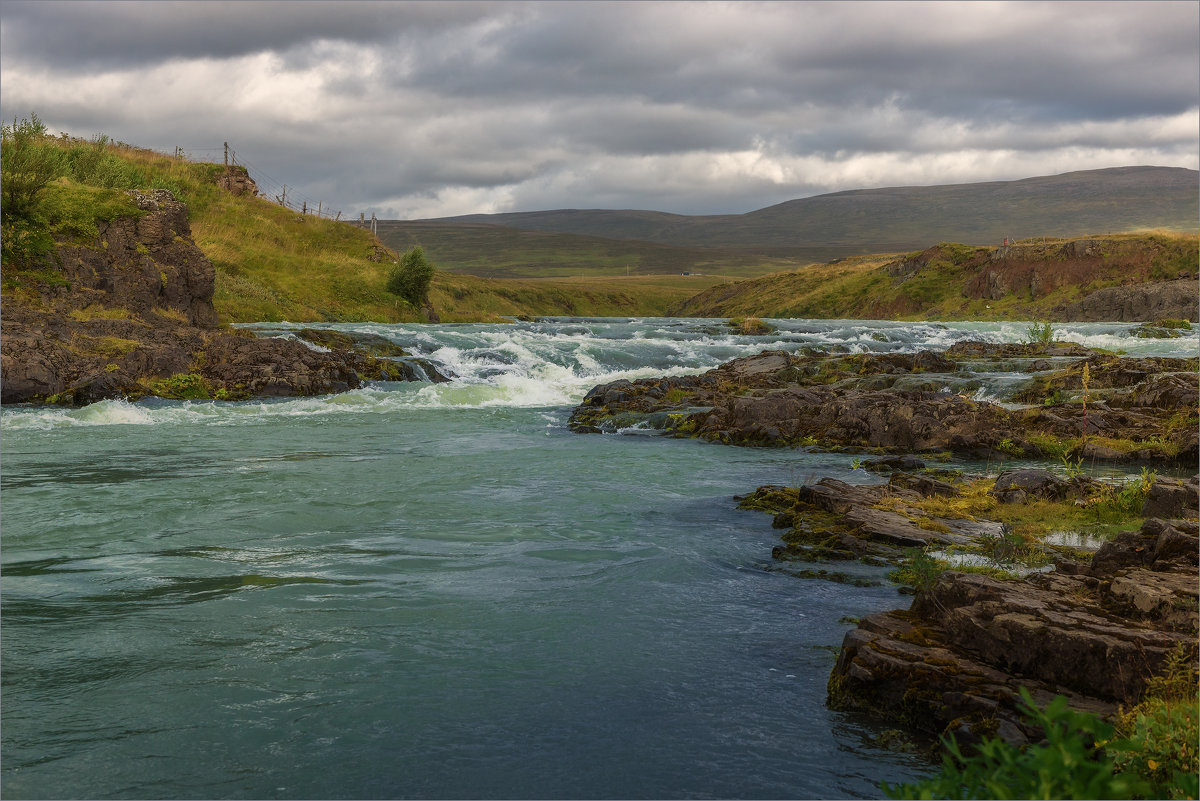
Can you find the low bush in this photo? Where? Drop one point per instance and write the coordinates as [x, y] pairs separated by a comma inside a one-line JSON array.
[[410, 278], [1075, 760]]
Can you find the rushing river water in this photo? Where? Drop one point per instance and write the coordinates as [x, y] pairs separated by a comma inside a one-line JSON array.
[[434, 591]]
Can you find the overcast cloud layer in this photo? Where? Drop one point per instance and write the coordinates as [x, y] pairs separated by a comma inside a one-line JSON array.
[[432, 109]]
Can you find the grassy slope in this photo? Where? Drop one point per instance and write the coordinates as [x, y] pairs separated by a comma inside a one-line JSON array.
[[274, 264], [946, 288], [497, 251]]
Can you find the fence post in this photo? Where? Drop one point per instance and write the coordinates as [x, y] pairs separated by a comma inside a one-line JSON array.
[[226, 154]]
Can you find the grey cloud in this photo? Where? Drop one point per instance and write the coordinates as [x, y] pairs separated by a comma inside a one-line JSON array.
[[125, 33], [623, 104]]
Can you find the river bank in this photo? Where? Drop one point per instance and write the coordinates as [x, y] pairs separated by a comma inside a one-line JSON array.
[[1021, 578]]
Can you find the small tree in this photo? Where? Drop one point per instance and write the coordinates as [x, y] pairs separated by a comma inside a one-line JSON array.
[[410, 278]]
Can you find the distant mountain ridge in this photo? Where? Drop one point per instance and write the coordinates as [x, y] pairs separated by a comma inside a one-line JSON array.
[[862, 221]]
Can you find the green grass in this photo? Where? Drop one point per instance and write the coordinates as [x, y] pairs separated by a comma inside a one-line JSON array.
[[275, 264], [950, 283], [494, 251]]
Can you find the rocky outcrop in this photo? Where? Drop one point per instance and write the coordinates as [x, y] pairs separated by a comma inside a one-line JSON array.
[[1178, 299], [1096, 633], [237, 181], [130, 314], [905, 403], [144, 266]]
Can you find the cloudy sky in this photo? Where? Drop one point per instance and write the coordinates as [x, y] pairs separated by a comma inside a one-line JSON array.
[[422, 109]]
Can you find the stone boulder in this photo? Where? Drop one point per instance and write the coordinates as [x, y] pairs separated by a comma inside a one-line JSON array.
[[1021, 486]]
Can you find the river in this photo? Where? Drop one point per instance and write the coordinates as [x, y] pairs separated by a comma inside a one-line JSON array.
[[434, 591]]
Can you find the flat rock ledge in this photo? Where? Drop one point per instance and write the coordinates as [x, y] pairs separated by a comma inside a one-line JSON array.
[[954, 662], [1094, 631]]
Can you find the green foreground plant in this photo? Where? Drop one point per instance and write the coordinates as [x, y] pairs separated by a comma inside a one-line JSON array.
[[1151, 752], [1041, 333], [1074, 761]]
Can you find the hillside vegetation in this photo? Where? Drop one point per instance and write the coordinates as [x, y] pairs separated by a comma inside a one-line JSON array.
[[1034, 280], [498, 251], [271, 262], [866, 221]]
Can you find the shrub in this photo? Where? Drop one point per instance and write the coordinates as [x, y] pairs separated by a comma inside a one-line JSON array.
[[1072, 762], [23, 241], [1041, 333], [919, 570], [29, 161], [1163, 731], [411, 277]]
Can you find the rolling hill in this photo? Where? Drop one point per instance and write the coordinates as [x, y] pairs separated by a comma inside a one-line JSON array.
[[865, 221], [499, 251]]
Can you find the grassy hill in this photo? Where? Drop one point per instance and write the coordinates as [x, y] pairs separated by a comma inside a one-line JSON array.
[[275, 264], [1027, 281], [869, 221], [497, 251]]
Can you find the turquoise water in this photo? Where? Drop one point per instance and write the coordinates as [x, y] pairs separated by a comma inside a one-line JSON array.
[[430, 591]]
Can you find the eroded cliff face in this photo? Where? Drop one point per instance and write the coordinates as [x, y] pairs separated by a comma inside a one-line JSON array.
[[131, 314], [146, 266]]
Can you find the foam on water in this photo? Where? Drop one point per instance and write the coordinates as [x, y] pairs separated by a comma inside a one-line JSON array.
[[554, 362]]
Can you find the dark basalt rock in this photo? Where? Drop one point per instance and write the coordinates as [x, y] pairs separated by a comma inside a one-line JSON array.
[[366, 344], [883, 464], [1172, 498], [1178, 299], [852, 402], [1018, 486], [955, 661]]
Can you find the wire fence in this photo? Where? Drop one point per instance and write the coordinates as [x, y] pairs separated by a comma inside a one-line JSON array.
[[273, 188]]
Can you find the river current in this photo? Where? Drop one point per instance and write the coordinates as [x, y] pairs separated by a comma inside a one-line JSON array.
[[435, 591]]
